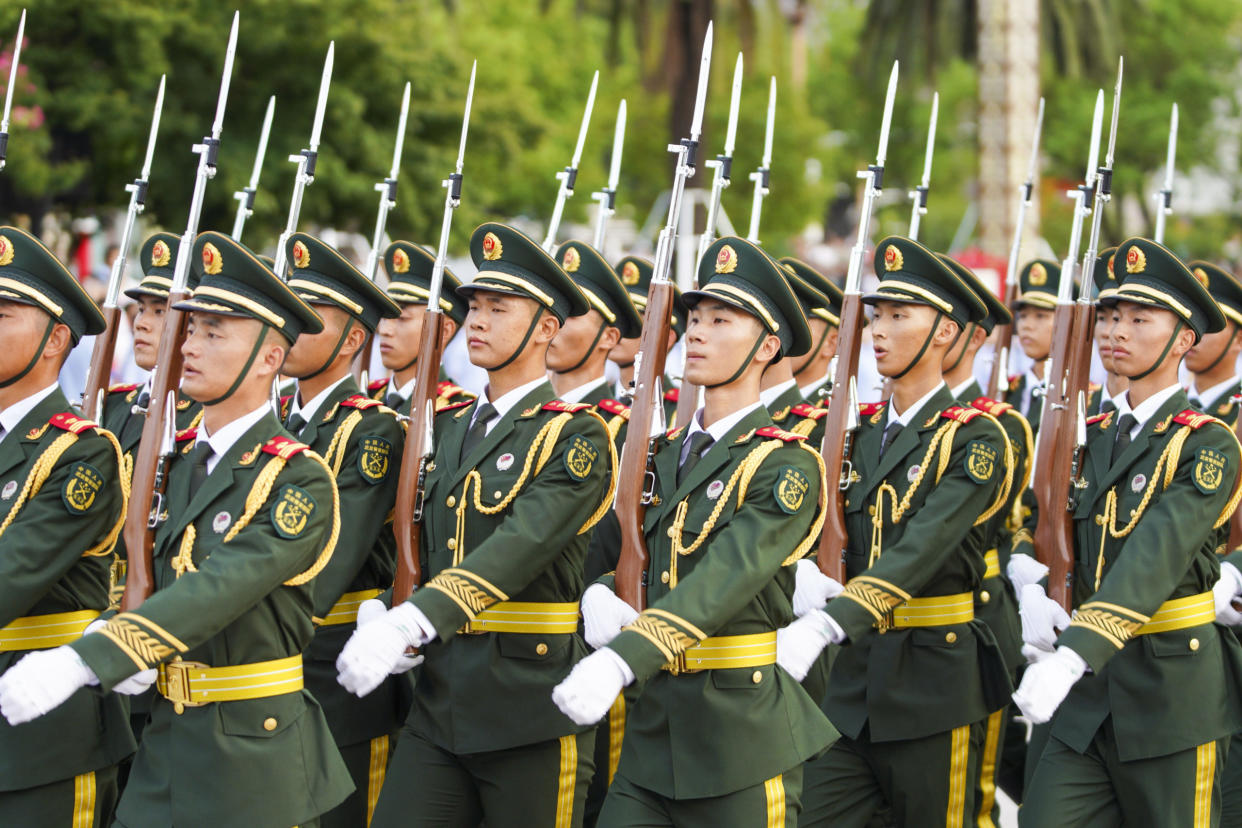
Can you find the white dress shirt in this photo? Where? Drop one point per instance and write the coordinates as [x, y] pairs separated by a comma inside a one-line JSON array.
[[11, 416], [226, 437]]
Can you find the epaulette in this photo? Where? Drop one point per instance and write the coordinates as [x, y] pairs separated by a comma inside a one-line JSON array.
[[672, 433], [284, 447], [1014, 379], [811, 412], [867, 409], [123, 388], [71, 423], [448, 389], [184, 434], [615, 407], [959, 413], [454, 406], [561, 405], [376, 385], [1096, 418], [1193, 418], [360, 401], [993, 407], [672, 394], [779, 434], [1092, 387]]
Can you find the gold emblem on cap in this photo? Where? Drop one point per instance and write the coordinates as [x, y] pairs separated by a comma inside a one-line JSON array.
[[400, 261], [571, 260], [629, 274], [893, 260], [1039, 275], [212, 262], [1136, 260], [160, 254], [6, 251], [492, 248], [1111, 274], [726, 260], [1201, 275], [301, 255]]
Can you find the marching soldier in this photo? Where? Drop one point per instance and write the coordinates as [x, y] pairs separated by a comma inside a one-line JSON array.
[[409, 269], [1127, 744], [1038, 284], [516, 484], [361, 440], [233, 737], [825, 323], [780, 393], [635, 274], [62, 503], [1213, 360], [736, 506], [919, 674]]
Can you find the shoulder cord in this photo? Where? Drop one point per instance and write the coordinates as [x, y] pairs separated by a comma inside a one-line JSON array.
[[1002, 496], [1015, 516], [335, 455], [898, 509]]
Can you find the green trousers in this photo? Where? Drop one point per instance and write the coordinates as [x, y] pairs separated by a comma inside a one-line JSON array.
[[1096, 788], [771, 804], [368, 765], [542, 785], [1231, 785], [83, 801], [920, 782]]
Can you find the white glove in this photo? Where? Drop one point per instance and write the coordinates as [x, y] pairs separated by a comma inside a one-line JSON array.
[[137, 684], [1046, 684], [1041, 617], [603, 615], [592, 686], [41, 682], [1023, 570], [1034, 655], [1228, 588], [375, 648], [799, 644], [812, 588], [373, 609], [95, 626]]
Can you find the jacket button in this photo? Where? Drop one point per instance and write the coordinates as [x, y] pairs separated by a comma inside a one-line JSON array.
[[847, 503], [871, 510], [664, 577], [431, 466], [950, 637], [452, 544], [541, 649], [1194, 645], [671, 531], [756, 677], [451, 502], [497, 495], [984, 596], [269, 724]]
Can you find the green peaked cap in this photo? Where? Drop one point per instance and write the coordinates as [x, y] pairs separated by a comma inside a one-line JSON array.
[[601, 286], [636, 273], [912, 274], [409, 269], [322, 276], [511, 262], [31, 275]]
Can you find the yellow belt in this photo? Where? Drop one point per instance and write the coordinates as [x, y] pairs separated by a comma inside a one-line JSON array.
[[1181, 613], [936, 611], [191, 684], [727, 651], [992, 559], [39, 632], [526, 617], [345, 611]]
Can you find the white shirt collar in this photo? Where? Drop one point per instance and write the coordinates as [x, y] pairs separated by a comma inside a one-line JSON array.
[[505, 403], [406, 391], [311, 408], [769, 395], [1209, 395], [808, 390], [718, 429], [1146, 409], [226, 437], [959, 390], [909, 415], [576, 395], [15, 413]]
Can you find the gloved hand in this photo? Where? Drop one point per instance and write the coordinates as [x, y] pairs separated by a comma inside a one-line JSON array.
[[1023, 570], [812, 588], [376, 647], [372, 609], [1041, 617], [1046, 684], [592, 686], [603, 615], [137, 684], [1034, 655], [95, 626], [800, 643], [41, 682], [1228, 588]]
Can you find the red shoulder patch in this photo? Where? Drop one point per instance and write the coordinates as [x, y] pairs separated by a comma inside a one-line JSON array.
[[1099, 418], [867, 409], [123, 388], [811, 412], [672, 433], [672, 394], [993, 407], [184, 434], [615, 407], [71, 423], [561, 405], [454, 406], [375, 386], [1193, 418], [284, 447], [962, 415], [360, 402], [779, 434]]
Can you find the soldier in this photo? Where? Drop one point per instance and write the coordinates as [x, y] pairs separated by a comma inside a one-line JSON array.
[[918, 676], [361, 440], [1038, 284], [736, 507], [635, 274], [825, 322], [62, 503], [233, 738], [1114, 384], [1127, 745], [780, 393], [516, 484], [409, 269], [1213, 361]]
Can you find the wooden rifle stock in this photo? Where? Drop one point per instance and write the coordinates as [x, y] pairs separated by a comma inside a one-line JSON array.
[[634, 471], [407, 513], [99, 374], [837, 433]]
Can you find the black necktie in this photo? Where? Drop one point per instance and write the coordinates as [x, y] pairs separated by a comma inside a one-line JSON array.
[[478, 429], [394, 400], [295, 423], [143, 400], [890, 434], [198, 471], [1124, 426], [698, 443]]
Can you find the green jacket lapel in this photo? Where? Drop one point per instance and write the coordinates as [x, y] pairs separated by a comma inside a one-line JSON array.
[[719, 454], [910, 439], [343, 391], [543, 393], [17, 446], [1121, 463]]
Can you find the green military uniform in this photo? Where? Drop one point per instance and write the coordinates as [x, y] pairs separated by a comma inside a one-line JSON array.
[[504, 537], [362, 443], [61, 504], [1126, 745], [234, 564], [919, 675]]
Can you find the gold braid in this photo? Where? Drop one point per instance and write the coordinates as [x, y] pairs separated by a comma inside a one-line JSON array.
[[108, 544], [898, 509], [1227, 513], [801, 549], [330, 546], [1006, 487], [335, 455], [39, 473], [606, 503]]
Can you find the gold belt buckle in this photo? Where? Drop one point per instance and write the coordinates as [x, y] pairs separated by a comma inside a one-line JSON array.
[[177, 684]]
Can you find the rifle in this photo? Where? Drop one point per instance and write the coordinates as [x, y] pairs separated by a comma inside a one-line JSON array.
[[1004, 333], [918, 196], [388, 199], [1164, 198], [607, 197], [419, 448], [245, 196], [8, 92], [842, 420], [155, 451], [762, 177], [100, 371], [305, 161], [569, 176], [635, 480]]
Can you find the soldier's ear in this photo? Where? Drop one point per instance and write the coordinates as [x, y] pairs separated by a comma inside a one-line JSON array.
[[59, 344], [448, 329], [946, 332]]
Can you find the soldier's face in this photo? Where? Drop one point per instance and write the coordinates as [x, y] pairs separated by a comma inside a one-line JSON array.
[[399, 338], [215, 349], [623, 353], [312, 351], [148, 328], [1139, 335], [1210, 349], [717, 338], [497, 323], [577, 336], [21, 330], [1103, 337], [898, 331], [1034, 327]]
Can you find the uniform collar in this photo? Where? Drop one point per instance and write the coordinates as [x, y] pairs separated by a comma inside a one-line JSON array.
[[1210, 395], [960, 391], [1146, 409], [808, 390], [507, 401], [769, 395], [226, 437], [721, 427], [577, 395], [405, 392], [15, 413], [311, 408], [904, 419]]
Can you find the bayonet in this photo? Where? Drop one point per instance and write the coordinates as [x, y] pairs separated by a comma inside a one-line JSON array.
[[1164, 198], [1102, 191], [762, 177], [607, 197], [919, 194], [388, 189], [245, 197], [8, 92], [1081, 196], [569, 176], [722, 165]]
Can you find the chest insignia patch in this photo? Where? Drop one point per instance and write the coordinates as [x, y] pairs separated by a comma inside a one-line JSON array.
[[9, 490], [913, 473], [1137, 484], [504, 462], [1209, 470], [80, 490], [980, 461], [220, 523], [790, 490], [292, 511], [580, 457], [714, 489], [374, 456]]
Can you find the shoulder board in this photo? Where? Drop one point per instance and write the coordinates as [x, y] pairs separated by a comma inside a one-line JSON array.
[[1193, 418], [1014, 381], [812, 412], [71, 423], [615, 407], [284, 401], [672, 433], [284, 447], [962, 415], [1097, 418], [867, 409], [561, 405], [448, 389], [360, 401], [376, 386], [123, 388], [1092, 387], [779, 434], [454, 406], [187, 434], [672, 394], [993, 407]]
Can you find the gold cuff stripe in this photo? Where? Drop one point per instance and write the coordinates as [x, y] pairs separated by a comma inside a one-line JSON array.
[[677, 619], [28, 292], [746, 299], [505, 279], [258, 310], [322, 290], [915, 290], [991, 559], [1113, 628], [666, 638]]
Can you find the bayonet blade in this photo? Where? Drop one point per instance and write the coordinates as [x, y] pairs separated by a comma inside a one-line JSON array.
[[1097, 121], [401, 121], [618, 144], [217, 126], [465, 119], [17, 57], [1112, 133], [263, 136], [1169, 164], [770, 128], [586, 121], [735, 101], [1032, 166], [931, 139], [155, 128], [322, 105], [889, 98], [705, 70]]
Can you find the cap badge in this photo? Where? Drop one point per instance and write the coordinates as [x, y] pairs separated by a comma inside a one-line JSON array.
[[629, 274], [212, 263], [1201, 275], [1136, 260], [893, 260], [1112, 275], [400, 261], [6, 251], [571, 260], [160, 254], [492, 248], [301, 255], [1038, 276], [726, 260]]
